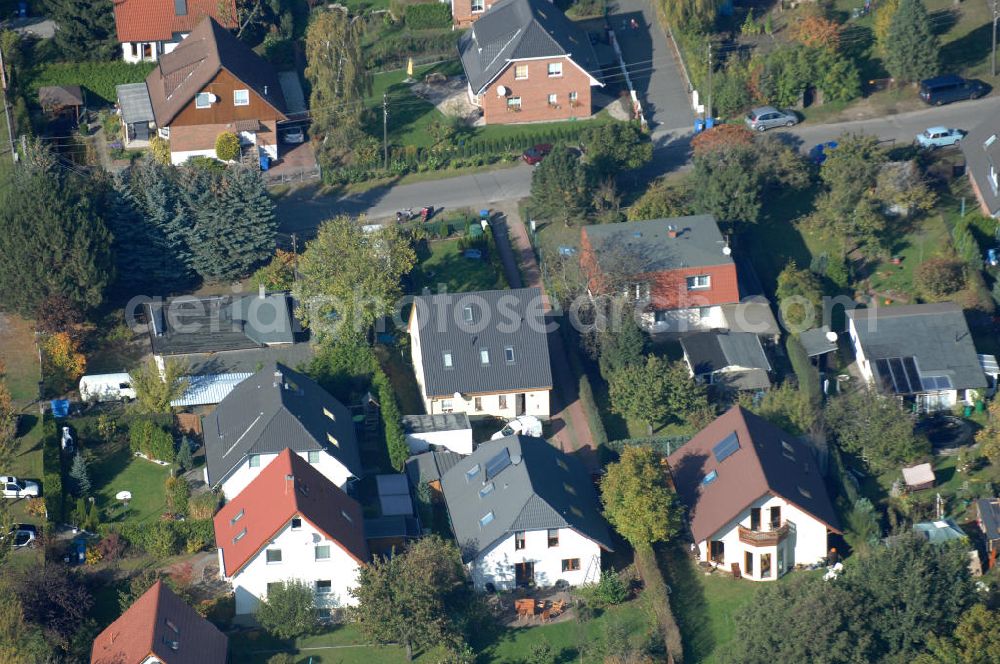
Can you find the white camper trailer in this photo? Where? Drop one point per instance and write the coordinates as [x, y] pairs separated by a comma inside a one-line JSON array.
[[107, 387]]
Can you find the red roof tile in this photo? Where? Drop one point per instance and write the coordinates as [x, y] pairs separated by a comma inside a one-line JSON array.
[[156, 623], [157, 20], [289, 486]]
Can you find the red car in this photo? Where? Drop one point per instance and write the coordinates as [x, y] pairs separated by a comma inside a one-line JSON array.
[[535, 154]]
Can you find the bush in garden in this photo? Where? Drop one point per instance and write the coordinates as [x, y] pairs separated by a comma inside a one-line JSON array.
[[163, 540], [178, 491], [610, 590], [938, 278], [429, 15], [203, 506], [227, 146]]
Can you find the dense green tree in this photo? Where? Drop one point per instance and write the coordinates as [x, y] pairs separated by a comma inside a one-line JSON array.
[[57, 602], [279, 273], [875, 428], [655, 392], [939, 278], [86, 29], [418, 598], [21, 642], [666, 197], [976, 640], [690, 16], [53, 238], [863, 529], [560, 187], [638, 500], [786, 406], [79, 476], [154, 391], [339, 82], [621, 345], [912, 50], [349, 278], [616, 146], [289, 610], [800, 298], [728, 185]]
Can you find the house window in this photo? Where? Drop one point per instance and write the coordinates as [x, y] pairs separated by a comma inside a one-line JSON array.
[[478, 404], [478, 6], [486, 490], [255, 461], [447, 406], [508, 354], [553, 537], [748, 563], [471, 473], [312, 456], [717, 551], [232, 522], [571, 565], [486, 520], [333, 441], [273, 586], [273, 556], [755, 518], [781, 559], [241, 97], [296, 523], [324, 587], [467, 314], [322, 552], [553, 99], [484, 356], [240, 535], [446, 357], [765, 565], [503, 401], [514, 104], [704, 313], [555, 69], [775, 517], [327, 413], [203, 100], [519, 542], [699, 281], [520, 72], [573, 97]]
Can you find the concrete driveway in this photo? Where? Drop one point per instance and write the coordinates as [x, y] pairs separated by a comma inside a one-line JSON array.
[[650, 60]]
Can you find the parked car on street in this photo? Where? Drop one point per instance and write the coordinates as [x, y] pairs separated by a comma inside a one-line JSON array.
[[535, 154], [939, 137], [950, 87], [763, 118], [293, 135], [15, 488], [21, 535]]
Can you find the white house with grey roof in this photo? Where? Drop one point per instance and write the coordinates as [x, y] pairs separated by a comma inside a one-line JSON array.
[[274, 409], [921, 353], [525, 513], [482, 353]]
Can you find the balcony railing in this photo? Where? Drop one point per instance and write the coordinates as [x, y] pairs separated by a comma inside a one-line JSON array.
[[763, 537]]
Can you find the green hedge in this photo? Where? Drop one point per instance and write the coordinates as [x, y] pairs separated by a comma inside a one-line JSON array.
[[96, 78], [392, 51], [658, 596], [165, 538], [429, 15], [395, 438], [52, 472], [804, 370]]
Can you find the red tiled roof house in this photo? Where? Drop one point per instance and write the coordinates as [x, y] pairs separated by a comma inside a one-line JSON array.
[[210, 84], [159, 628], [756, 501], [291, 522], [679, 270], [148, 29]]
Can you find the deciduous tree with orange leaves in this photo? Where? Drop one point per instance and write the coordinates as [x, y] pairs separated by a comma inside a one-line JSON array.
[[721, 136], [816, 32]]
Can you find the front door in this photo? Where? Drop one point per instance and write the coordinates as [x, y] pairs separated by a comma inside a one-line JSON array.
[[519, 403], [524, 574], [748, 563], [717, 551]]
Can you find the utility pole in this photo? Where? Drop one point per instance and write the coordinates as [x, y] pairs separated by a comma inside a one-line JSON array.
[[6, 109], [708, 105], [385, 128]]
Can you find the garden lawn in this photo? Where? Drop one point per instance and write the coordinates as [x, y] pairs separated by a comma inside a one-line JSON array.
[[98, 79], [27, 464], [341, 645], [116, 469], [441, 263], [19, 356]]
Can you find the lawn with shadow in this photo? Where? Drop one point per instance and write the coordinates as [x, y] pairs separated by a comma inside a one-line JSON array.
[[441, 264]]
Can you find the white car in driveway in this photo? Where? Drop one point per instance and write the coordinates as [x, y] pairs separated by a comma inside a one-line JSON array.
[[527, 425], [15, 488]]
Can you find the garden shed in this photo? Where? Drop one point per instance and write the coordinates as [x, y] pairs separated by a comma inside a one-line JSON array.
[[919, 477], [61, 100], [136, 113]]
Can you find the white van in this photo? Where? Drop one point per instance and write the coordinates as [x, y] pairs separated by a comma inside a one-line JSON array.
[[107, 387]]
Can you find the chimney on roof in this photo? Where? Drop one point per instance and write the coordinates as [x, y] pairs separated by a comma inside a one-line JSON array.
[[278, 378], [289, 479], [671, 232], [261, 291]]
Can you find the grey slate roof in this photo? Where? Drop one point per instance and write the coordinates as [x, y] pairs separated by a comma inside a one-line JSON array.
[[815, 342], [512, 318], [936, 335], [708, 352], [434, 423], [133, 100], [649, 246], [519, 29], [430, 466], [274, 409], [540, 488], [980, 153], [989, 517]]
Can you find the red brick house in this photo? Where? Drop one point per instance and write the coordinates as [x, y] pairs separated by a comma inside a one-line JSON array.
[[465, 12], [210, 84], [526, 62], [679, 270], [148, 29]]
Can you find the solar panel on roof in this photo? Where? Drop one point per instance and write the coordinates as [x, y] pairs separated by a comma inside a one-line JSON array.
[[936, 382], [899, 380], [884, 375], [495, 465], [910, 365], [726, 447]]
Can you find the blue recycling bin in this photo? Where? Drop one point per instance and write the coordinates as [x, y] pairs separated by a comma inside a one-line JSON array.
[[709, 123], [265, 162], [60, 408], [699, 125]]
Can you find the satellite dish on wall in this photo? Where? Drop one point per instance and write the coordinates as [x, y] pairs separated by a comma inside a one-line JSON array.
[[727, 250], [501, 90], [831, 337], [212, 98]]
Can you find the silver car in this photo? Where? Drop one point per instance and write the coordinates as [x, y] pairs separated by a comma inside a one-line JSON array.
[[768, 117]]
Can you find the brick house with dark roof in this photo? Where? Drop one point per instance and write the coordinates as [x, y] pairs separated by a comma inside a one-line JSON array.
[[159, 628], [290, 522], [148, 29], [213, 83], [526, 62], [756, 500]]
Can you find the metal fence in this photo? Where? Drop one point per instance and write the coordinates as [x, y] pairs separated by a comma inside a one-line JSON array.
[[273, 179]]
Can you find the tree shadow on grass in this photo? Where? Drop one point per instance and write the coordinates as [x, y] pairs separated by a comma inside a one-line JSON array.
[[967, 51], [688, 603], [943, 20]]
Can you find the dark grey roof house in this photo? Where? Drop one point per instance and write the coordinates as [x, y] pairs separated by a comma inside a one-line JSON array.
[[514, 30], [981, 148], [921, 351], [489, 345], [274, 409], [520, 484], [735, 359]]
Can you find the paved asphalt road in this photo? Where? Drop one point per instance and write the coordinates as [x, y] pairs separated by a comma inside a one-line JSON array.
[[301, 212]]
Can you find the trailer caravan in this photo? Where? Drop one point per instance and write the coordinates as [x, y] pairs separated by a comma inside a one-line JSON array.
[[107, 387]]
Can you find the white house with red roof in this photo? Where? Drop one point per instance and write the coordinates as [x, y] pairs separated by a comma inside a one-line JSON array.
[[159, 628], [148, 29], [756, 500], [291, 523]]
